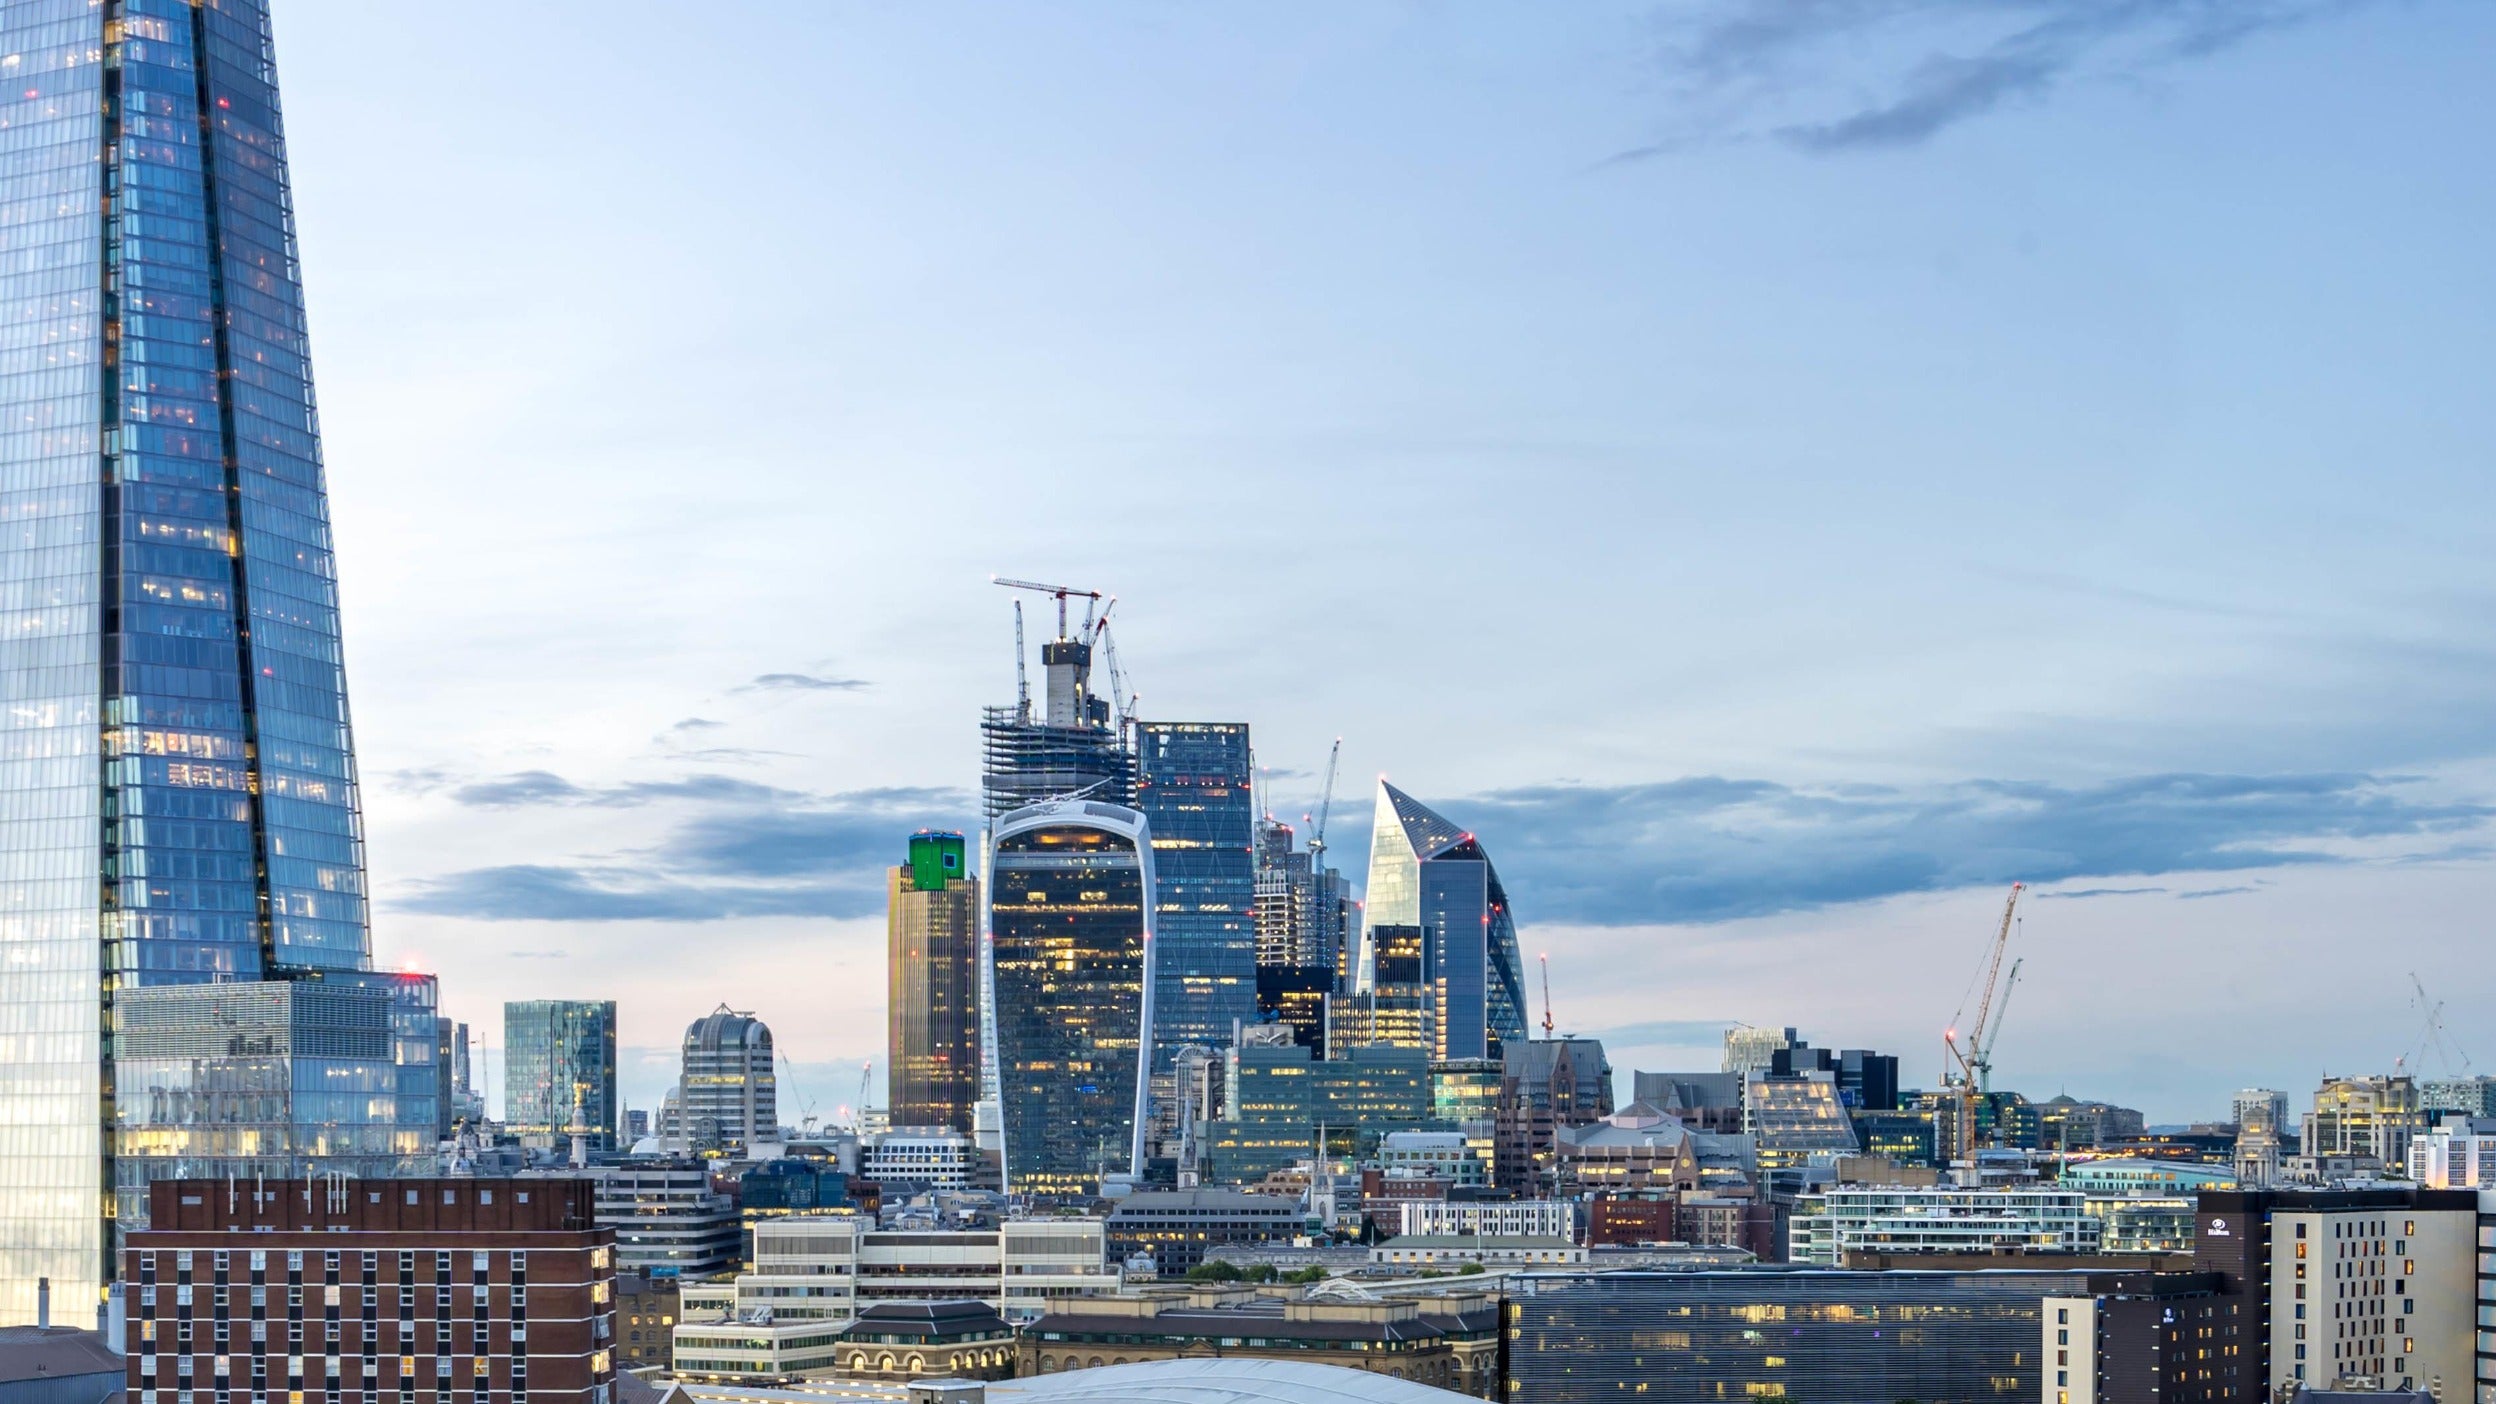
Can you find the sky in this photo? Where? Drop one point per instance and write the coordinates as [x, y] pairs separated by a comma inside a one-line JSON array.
[[1778, 470]]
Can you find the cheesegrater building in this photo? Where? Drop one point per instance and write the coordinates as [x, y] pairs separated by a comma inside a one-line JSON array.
[[187, 989]]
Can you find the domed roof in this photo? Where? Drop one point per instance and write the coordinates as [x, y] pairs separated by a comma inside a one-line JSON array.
[[728, 1028], [1222, 1381]]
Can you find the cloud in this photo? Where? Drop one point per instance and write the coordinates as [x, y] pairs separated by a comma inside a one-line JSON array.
[[2076, 893], [695, 724], [2212, 892], [802, 682], [1910, 69], [742, 850], [1712, 849]]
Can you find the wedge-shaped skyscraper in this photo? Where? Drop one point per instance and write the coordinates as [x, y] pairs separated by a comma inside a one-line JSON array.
[[1425, 872], [183, 941]]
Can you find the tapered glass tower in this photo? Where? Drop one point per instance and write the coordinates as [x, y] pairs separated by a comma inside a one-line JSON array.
[[178, 812], [1430, 879]]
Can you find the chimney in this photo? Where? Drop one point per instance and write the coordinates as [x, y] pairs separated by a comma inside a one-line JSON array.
[[43, 1303]]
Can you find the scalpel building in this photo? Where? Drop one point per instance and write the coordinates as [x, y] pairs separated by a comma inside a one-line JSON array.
[[187, 985], [1429, 875]]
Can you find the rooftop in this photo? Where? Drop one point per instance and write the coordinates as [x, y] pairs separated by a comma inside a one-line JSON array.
[[54, 1352]]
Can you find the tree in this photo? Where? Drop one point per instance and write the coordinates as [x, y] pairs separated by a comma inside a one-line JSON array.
[[1213, 1272], [1468, 1269]]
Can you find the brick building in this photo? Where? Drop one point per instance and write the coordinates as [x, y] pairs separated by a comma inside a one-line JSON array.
[[343, 1291]]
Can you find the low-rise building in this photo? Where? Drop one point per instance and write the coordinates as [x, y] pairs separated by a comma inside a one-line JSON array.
[[2460, 1153], [1441, 1250], [927, 1157], [1175, 1227], [1449, 1341], [47, 1364], [924, 1340], [1533, 1218], [1940, 1219], [668, 1220], [828, 1269], [646, 1309]]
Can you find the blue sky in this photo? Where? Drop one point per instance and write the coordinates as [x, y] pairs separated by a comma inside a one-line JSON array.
[[1778, 469]]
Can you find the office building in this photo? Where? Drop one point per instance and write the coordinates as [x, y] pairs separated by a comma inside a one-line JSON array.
[[1297, 998], [1792, 1119], [1866, 1081], [668, 1219], [1425, 871], [269, 1078], [920, 1157], [932, 963], [558, 1056], [2261, 1116], [1071, 917], [1448, 1341], [177, 753], [1706, 1101], [1303, 905], [1395, 1005], [2471, 1096], [1192, 784], [1830, 1223], [645, 1320], [1546, 1084], [819, 1270], [495, 1290], [1281, 1106], [1710, 1336], [1641, 1151], [2067, 1123], [2145, 1338], [1067, 747], [1175, 1227], [1750, 1050], [2366, 1119], [727, 1093], [2460, 1153]]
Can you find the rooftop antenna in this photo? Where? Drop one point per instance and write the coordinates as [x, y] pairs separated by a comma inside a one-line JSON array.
[[1545, 958]]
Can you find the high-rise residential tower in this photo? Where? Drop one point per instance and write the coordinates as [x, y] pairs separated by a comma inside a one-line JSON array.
[[728, 1092], [1426, 872], [1193, 788], [180, 782], [1071, 915], [558, 1053], [932, 961]]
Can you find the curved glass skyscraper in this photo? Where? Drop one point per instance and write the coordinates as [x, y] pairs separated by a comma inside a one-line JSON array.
[[181, 855], [1427, 874], [1071, 946]]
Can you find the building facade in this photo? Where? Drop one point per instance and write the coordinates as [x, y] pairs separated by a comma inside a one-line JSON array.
[[2368, 1118], [1426, 872], [932, 963], [728, 1089], [930, 1157], [1547, 1084], [668, 1220], [1072, 911], [1176, 1227], [558, 1055], [1281, 1106], [824, 1269], [501, 1291], [1936, 1219], [178, 759], [1192, 784]]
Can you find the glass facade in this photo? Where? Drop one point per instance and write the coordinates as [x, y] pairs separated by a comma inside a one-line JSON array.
[[932, 966], [1426, 872], [1071, 916], [180, 787], [554, 1049], [1708, 1337], [1192, 785]]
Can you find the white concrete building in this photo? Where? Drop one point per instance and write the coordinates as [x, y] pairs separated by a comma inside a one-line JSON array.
[[1521, 1218], [932, 1156], [822, 1269], [1830, 1223], [2460, 1153]]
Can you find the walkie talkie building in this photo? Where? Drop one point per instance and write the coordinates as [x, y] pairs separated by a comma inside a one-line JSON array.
[[185, 981]]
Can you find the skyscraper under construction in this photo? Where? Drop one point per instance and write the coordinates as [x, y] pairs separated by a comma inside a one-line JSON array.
[[1074, 744]]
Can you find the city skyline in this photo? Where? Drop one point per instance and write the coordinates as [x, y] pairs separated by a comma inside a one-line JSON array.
[[1851, 637]]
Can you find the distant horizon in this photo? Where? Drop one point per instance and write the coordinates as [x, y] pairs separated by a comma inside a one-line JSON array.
[[1776, 499]]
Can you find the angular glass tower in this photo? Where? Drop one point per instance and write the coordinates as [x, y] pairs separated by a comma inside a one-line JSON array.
[[1071, 913], [1425, 872], [1192, 785], [177, 785]]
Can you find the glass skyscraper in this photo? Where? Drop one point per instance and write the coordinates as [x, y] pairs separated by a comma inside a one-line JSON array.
[[555, 1050], [1071, 914], [1426, 872], [179, 787], [1193, 786], [932, 968]]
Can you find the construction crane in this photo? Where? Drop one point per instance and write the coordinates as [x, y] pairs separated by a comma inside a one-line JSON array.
[[1325, 806], [1022, 679], [2433, 1039], [807, 1120], [1062, 593], [1972, 1074], [864, 1075], [1545, 958]]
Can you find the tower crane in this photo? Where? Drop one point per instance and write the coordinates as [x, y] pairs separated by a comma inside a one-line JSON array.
[[1974, 1060], [864, 1075], [1062, 593], [1325, 806], [2433, 1039], [807, 1119]]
